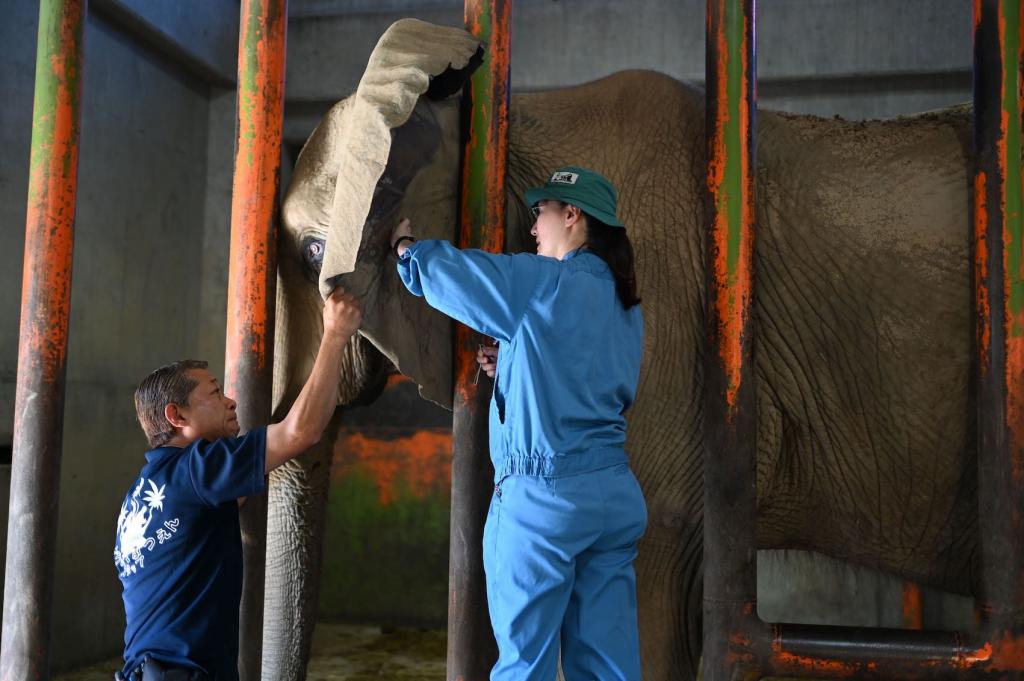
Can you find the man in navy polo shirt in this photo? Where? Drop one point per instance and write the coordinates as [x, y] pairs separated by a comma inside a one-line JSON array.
[[178, 550]]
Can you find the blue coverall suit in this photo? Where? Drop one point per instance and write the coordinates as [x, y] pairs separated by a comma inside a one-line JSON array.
[[567, 512]]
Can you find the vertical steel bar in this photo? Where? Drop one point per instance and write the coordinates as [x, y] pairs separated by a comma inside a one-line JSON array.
[[43, 342], [730, 584], [252, 276], [471, 648], [999, 306]]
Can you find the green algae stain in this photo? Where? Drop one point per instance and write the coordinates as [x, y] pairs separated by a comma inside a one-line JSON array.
[[384, 563]]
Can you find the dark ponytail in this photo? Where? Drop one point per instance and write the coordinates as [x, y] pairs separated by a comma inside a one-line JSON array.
[[612, 245]]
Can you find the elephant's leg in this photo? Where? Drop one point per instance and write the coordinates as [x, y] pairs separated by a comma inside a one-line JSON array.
[[669, 593], [295, 535]]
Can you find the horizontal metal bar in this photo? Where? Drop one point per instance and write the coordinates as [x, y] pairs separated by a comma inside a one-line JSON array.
[[817, 651]]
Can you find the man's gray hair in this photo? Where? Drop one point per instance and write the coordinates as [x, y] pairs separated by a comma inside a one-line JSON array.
[[169, 384]]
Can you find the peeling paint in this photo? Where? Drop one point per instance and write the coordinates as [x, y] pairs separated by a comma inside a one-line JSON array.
[[976, 656], [1009, 158], [43, 339], [730, 185], [913, 611], [484, 161], [1008, 654], [981, 293], [481, 225], [831, 668], [254, 198]]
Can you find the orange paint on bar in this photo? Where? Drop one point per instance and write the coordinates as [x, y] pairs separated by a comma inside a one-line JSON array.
[[482, 222], [984, 328], [421, 463], [733, 295], [740, 648], [252, 267], [976, 656], [716, 173], [50, 217], [913, 611], [1014, 323], [832, 668], [465, 362], [1008, 653]]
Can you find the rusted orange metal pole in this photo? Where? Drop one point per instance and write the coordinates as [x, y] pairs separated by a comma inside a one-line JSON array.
[[471, 647], [43, 343], [730, 495], [999, 307], [252, 276]]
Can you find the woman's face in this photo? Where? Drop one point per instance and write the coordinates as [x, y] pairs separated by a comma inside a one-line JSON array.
[[550, 228]]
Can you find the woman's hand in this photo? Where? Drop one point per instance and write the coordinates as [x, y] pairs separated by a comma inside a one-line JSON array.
[[487, 358], [403, 228]]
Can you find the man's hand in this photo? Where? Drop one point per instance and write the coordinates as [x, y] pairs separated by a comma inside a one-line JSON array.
[[342, 314], [403, 228], [487, 358], [308, 417]]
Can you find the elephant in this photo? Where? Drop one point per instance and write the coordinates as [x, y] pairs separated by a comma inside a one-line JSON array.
[[862, 353]]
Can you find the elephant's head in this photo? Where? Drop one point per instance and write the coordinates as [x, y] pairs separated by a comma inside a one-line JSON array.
[[390, 150]]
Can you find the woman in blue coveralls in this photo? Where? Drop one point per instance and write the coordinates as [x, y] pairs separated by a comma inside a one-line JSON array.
[[567, 512]]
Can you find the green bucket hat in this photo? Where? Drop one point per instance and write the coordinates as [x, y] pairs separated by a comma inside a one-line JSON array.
[[591, 191]]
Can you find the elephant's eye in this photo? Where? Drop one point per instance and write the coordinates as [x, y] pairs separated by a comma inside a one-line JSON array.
[[313, 252]]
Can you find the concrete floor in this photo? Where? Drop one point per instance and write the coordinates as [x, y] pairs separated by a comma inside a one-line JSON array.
[[343, 652]]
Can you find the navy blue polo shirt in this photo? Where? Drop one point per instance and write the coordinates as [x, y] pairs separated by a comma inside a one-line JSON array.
[[178, 552]]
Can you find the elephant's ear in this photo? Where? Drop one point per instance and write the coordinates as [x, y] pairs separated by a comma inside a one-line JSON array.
[[410, 59]]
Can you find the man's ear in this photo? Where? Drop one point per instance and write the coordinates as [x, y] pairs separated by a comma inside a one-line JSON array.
[[173, 416]]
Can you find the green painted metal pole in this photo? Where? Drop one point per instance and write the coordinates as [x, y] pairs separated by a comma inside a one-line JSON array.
[[999, 307], [730, 494], [252, 277], [42, 349], [471, 647]]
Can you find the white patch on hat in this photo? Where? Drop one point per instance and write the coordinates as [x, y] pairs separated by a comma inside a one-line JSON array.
[[564, 178]]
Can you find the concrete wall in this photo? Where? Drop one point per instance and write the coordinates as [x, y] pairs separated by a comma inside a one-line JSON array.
[[137, 282], [854, 58]]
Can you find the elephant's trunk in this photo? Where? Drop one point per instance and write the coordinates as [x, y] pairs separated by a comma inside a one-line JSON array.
[[295, 540]]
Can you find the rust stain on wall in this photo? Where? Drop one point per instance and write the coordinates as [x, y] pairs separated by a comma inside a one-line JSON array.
[[420, 463]]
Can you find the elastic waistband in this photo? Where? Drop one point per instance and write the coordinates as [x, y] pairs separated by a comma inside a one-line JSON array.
[[558, 465]]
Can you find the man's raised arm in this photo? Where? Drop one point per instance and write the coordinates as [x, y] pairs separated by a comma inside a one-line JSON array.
[[309, 415]]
